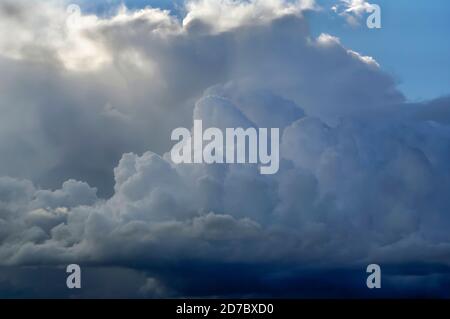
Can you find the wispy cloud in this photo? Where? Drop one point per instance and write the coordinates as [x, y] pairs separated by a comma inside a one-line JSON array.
[[352, 10]]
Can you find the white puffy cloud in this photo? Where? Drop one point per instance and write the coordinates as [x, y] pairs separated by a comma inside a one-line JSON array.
[[353, 10], [363, 175], [78, 116], [225, 15], [337, 183]]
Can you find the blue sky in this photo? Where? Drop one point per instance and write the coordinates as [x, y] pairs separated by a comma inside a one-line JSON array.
[[412, 44]]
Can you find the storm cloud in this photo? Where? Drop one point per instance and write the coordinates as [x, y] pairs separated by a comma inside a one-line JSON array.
[[88, 104]]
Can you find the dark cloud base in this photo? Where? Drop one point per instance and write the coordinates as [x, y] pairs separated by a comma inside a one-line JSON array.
[[227, 281]]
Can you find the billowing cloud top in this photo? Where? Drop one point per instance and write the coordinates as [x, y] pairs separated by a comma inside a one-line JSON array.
[[364, 175]]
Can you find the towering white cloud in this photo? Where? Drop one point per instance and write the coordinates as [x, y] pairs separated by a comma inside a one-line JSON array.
[[363, 175]]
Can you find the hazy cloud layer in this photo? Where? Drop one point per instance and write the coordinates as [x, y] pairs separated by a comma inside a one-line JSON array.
[[364, 175]]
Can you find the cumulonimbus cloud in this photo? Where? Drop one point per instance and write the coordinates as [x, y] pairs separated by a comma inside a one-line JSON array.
[[363, 177]]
